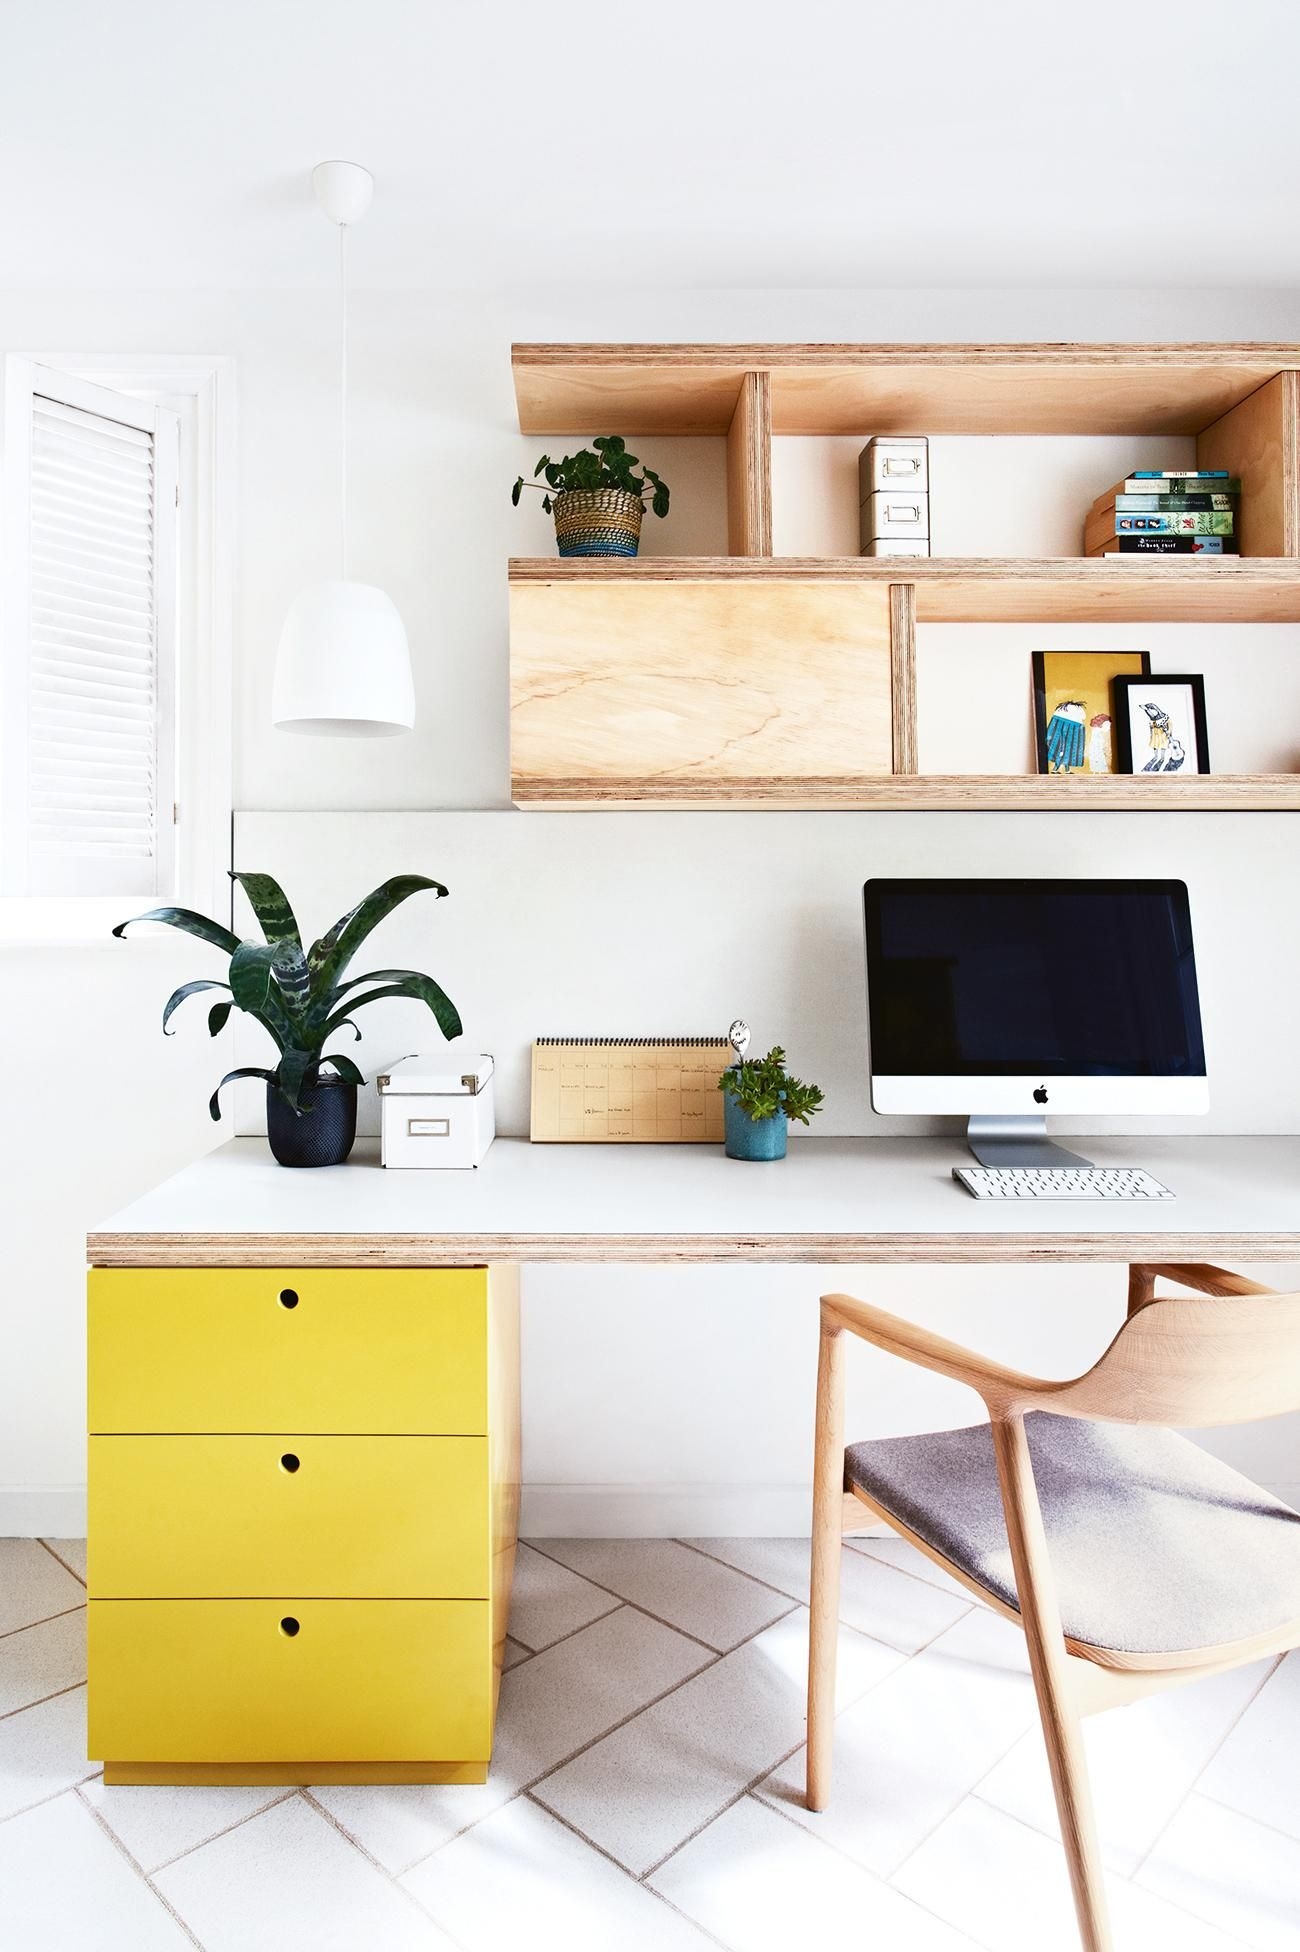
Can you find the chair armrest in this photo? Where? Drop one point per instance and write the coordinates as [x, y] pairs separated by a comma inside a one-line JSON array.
[[1206, 1280], [1003, 1389]]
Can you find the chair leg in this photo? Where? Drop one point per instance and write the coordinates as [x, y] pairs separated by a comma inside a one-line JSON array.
[[827, 1531], [1062, 1731]]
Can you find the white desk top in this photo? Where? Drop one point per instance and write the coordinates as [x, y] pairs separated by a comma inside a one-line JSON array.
[[846, 1200]]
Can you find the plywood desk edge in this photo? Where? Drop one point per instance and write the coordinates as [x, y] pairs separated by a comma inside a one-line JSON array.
[[240, 1249]]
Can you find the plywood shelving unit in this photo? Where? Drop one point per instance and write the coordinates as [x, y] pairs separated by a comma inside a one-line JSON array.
[[752, 680]]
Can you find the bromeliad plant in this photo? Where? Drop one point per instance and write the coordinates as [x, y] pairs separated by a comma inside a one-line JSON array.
[[301, 997], [763, 1087], [609, 466]]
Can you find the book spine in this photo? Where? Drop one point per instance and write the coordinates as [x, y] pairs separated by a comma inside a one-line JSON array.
[[1207, 523], [1168, 545], [1171, 504], [1180, 474]]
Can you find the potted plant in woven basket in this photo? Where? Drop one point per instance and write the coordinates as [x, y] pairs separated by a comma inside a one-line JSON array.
[[302, 998], [596, 498]]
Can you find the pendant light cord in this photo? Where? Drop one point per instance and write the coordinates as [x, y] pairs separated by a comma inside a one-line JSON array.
[[343, 400]]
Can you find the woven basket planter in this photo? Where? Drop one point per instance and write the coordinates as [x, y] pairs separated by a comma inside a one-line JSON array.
[[597, 522]]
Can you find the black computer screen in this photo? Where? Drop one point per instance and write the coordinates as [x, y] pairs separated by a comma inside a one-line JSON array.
[[1053, 978]]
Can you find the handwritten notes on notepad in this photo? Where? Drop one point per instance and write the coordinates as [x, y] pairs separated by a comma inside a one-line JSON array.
[[628, 1090]]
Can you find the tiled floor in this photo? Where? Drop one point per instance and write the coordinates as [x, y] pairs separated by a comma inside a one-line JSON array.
[[645, 1795]]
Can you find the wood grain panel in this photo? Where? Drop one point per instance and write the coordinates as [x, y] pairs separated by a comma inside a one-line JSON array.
[[239, 1249], [846, 389], [990, 589], [675, 681], [902, 645], [1257, 441], [749, 469], [934, 793]]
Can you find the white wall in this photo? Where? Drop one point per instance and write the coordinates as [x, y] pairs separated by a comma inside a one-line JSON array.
[[434, 451]]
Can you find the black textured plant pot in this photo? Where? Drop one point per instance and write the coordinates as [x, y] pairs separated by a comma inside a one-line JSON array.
[[323, 1134]]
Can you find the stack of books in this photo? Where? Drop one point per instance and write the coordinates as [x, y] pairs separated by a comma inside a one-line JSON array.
[[1166, 512]]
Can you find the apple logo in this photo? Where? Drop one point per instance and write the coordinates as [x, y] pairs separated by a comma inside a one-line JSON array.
[[1040, 1096]]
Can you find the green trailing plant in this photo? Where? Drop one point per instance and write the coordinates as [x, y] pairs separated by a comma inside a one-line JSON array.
[[762, 1087], [608, 466], [301, 997]]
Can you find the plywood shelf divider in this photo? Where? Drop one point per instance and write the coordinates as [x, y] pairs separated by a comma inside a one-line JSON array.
[[902, 651], [961, 589], [927, 793], [749, 469]]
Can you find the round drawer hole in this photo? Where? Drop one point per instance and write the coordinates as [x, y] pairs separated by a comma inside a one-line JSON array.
[[288, 1626], [288, 1297], [289, 1462]]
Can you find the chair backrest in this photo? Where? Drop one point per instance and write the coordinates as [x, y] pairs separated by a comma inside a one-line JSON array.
[[1195, 1360]]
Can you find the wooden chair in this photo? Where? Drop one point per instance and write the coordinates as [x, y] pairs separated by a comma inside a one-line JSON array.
[[1131, 1558]]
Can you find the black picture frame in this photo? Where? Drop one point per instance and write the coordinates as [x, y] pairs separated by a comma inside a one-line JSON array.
[[1195, 684], [1040, 694]]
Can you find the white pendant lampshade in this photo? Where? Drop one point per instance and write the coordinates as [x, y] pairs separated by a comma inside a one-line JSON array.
[[343, 668]]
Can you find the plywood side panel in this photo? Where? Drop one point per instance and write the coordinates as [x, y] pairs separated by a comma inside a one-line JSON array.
[[1257, 441], [749, 469], [902, 645], [730, 682]]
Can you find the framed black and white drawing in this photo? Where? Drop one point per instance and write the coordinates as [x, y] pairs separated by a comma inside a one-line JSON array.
[[1160, 724]]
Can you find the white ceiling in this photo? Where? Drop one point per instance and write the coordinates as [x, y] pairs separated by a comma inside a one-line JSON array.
[[168, 143]]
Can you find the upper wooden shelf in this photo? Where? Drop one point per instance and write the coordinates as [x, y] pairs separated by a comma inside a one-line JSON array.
[[958, 589], [932, 389]]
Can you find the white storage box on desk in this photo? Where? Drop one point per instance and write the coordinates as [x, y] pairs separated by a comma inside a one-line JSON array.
[[429, 1116]]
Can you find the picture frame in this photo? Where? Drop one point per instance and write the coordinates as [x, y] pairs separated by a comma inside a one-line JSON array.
[[1160, 723], [1074, 710]]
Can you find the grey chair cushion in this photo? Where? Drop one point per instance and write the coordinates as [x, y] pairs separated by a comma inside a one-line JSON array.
[[1156, 1546]]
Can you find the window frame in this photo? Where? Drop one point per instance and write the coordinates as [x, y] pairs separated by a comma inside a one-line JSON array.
[[201, 391]]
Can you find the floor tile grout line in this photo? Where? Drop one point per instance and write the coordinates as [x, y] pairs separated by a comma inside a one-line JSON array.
[[284, 1795], [41, 1700], [137, 1867], [657, 1617], [837, 1850], [972, 1791], [1193, 1790], [44, 1621], [41, 1801], [59, 1560], [1245, 1816], [393, 1877], [532, 1652], [864, 1551]]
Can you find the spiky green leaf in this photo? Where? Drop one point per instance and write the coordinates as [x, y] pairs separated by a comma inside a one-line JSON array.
[[328, 958], [244, 1071], [270, 904], [178, 997], [191, 924], [419, 989], [346, 1069], [217, 1017]]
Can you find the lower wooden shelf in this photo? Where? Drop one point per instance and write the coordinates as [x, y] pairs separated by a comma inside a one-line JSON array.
[[929, 792]]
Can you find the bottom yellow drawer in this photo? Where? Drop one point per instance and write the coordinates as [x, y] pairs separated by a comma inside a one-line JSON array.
[[287, 1680]]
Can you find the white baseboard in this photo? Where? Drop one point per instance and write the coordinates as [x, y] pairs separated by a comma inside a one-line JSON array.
[[665, 1511], [42, 1511]]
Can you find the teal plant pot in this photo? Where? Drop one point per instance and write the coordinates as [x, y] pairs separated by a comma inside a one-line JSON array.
[[753, 1138]]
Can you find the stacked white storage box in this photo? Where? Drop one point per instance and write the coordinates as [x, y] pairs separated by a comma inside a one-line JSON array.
[[894, 496]]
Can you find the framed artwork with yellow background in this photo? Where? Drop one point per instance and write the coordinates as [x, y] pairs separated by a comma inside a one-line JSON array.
[[1074, 710]]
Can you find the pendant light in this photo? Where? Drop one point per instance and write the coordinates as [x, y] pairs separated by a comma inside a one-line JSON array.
[[343, 668]]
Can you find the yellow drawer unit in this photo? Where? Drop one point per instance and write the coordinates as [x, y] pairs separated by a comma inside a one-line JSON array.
[[303, 1501], [366, 1351], [355, 1517], [288, 1680]]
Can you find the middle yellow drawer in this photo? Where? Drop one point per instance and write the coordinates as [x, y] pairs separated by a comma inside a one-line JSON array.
[[335, 1517]]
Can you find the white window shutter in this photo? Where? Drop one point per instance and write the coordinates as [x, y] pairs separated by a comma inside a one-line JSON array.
[[89, 660]]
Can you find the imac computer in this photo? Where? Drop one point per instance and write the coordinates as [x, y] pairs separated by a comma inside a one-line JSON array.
[[1007, 1001]]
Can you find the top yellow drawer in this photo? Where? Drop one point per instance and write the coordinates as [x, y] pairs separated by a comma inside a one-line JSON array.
[[334, 1350]]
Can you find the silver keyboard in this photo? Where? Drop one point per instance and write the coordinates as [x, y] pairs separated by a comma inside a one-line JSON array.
[[1070, 1183]]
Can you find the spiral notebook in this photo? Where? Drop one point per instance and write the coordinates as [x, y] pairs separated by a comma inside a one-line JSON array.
[[628, 1090]]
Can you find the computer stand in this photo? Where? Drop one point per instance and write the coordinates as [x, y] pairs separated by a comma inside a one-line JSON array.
[[1018, 1142]]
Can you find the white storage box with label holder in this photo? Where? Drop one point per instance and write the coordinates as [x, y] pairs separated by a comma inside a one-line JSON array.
[[430, 1116]]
